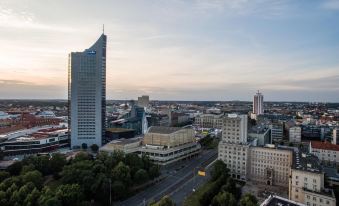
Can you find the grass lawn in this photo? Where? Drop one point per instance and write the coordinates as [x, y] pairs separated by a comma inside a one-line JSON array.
[[193, 199]]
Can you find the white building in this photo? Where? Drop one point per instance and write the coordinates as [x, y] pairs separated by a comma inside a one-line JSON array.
[[233, 148], [326, 152], [307, 182], [258, 104], [295, 134], [87, 94], [335, 136]]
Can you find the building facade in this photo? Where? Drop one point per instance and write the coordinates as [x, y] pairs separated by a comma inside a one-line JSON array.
[[258, 104], [295, 134], [326, 152], [87, 94], [143, 101], [209, 121], [233, 149], [270, 165], [307, 182]]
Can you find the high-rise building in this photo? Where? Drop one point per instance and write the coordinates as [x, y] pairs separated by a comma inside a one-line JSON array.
[[143, 101], [233, 148], [258, 104], [87, 94]]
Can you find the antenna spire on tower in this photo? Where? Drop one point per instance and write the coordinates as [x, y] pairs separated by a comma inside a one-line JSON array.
[[103, 29]]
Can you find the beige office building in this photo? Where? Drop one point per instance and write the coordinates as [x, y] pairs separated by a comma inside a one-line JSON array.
[[209, 121], [307, 182], [295, 134], [233, 148], [270, 165]]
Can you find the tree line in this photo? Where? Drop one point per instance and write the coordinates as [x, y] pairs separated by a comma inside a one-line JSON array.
[[83, 180]]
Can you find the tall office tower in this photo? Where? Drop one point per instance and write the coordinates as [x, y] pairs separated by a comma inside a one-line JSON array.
[[233, 148], [143, 101], [258, 104], [335, 136], [87, 94]]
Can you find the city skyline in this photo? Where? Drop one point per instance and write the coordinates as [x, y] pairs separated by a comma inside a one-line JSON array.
[[176, 50]]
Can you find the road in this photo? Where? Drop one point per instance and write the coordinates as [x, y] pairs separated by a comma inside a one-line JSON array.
[[179, 175]]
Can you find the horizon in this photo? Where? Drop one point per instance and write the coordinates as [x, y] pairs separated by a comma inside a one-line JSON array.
[[207, 51]]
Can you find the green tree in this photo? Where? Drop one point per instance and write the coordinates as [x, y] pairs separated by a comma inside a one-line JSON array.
[[248, 200], [27, 168], [219, 168], [134, 162], [57, 162], [4, 175], [35, 177], [48, 198], [141, 176], [154, 171], [32, 198], [70, 194], [122, 172], [118, 190], [94, 148], [15, 168], [165, 201], [224, 199]]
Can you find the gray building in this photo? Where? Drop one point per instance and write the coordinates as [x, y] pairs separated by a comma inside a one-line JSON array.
[[87, 94]]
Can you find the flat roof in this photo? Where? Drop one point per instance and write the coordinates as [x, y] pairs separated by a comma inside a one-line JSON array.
[[274, 200], [306, 162], [163, 130], [117, 129]]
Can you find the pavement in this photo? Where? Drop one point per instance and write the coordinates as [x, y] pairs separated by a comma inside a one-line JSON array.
[[178, 182]]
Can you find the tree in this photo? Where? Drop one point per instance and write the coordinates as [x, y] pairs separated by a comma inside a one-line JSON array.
[[94, 148], [57, 162], [70, 194], [118, 189], [33, 176], [134, 162], [165, 201], [141, 176], [122, 172], [15, 168], [32, 198], [154, 171], [84, 146], [224, 199], [27, 168], [4, 175], [219, 168], [248, 200]]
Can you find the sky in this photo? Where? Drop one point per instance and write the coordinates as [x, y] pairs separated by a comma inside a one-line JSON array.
[[175, 49]]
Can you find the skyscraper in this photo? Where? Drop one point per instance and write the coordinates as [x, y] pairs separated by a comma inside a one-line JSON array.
[[87, 94], [258, 103]]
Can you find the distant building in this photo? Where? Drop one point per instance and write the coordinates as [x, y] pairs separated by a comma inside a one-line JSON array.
[[143, 101], [165, 145], [258, 104], [277, 131], [126, 146], [87, 94], [40, 141], [233, 148], [295, 134], [209, 121], [307, 182], [119, 133], [261, 133], [326, 152], [335, 136]]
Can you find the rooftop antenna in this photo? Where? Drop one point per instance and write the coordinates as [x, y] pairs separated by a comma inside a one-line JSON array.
[[103, 29]]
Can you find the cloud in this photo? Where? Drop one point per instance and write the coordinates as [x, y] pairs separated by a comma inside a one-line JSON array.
[[10, 18], [331, 4]]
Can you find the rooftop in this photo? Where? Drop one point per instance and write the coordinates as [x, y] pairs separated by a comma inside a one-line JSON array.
[[119, 130], [163, 130], [279, 201], [324, 145], [306, 162]]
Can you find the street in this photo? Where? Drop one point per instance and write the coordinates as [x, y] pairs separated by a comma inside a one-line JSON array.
[[177, 176]]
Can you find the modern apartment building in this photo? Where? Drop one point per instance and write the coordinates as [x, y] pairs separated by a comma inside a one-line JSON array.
[[87, 94], [258, 104], [270, 165], [209, 121], [307, 182], [295, 134], [233, 148]]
